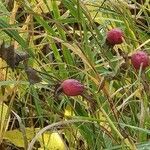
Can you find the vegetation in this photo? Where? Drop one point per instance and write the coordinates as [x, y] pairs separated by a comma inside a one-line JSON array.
[[46, 42]]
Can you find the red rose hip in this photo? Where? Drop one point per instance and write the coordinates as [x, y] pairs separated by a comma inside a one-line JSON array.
[[114, 36], [72, 87], [140, 58]]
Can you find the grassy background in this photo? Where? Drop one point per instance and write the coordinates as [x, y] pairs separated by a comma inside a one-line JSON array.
[[66, 39]]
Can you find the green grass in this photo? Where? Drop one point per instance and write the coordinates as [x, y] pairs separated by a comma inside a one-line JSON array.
[[66, 39]]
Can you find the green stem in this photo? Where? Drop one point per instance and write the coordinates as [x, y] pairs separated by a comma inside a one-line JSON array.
[[126, 141]]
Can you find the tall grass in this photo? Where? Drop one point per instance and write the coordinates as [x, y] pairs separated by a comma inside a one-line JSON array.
[[66, 39]]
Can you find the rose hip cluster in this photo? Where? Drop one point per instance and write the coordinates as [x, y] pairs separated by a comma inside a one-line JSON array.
[[139, 59]]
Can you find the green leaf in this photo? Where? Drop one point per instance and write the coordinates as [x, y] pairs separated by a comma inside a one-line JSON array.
[[12, 33]]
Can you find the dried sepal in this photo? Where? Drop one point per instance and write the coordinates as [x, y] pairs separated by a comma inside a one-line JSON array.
[[20, 57], [32, 75], [12, 57], [8, 55]]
